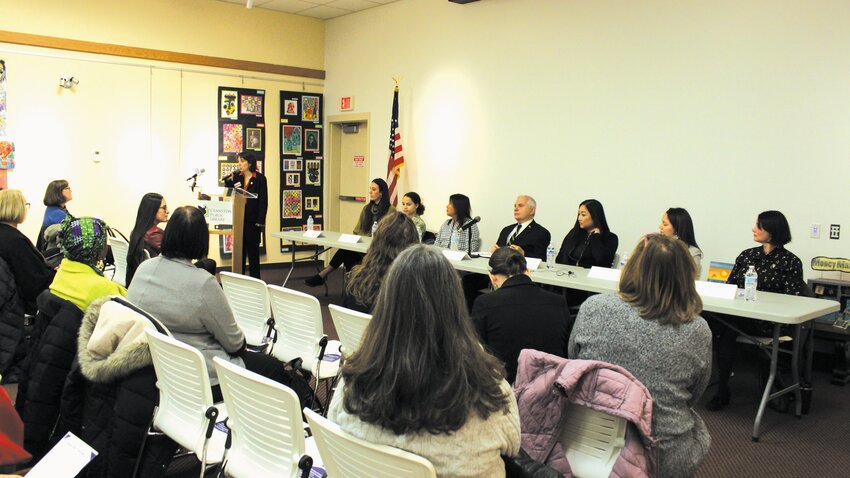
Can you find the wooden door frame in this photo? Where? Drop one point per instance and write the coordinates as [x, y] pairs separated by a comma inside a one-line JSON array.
[[334, 162]]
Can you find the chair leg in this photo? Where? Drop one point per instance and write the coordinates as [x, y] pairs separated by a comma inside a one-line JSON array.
[[148, 433]]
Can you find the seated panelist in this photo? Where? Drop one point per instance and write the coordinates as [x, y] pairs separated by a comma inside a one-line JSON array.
[[526, 236]]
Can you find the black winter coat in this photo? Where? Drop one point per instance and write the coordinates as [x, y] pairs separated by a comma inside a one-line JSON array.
[[11, 318]]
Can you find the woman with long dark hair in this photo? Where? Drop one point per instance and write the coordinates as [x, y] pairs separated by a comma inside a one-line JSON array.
[[452, 235], [652, 328], [395, 233], [146, 235], [420, 380], [248, 178], [676, 222], [370, 215]]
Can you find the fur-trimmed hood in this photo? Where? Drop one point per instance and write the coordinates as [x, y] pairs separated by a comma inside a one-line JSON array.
[[125, 350]]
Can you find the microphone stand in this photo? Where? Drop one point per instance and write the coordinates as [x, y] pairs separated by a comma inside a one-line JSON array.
[[469, 242]]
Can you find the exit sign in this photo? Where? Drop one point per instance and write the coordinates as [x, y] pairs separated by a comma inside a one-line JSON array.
[[346, 103]]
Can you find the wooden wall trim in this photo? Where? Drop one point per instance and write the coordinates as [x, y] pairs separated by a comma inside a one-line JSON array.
[[157, 55]]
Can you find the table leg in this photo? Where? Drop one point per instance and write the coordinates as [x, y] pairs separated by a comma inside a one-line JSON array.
[[774, 358], [291, 266], [795, 370]]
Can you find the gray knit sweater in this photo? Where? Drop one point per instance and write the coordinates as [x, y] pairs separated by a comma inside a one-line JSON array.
[[673, 362]]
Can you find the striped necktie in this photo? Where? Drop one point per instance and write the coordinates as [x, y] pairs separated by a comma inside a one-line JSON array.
[[513, 236]]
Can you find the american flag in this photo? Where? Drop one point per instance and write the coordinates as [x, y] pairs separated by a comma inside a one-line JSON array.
[[396, 160]]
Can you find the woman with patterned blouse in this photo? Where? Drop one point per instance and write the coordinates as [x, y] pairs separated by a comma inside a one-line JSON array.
[[778, 269]]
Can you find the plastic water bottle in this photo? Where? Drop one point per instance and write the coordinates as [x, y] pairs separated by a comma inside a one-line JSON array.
[[310, 223], [623, 259], [374, 227], [550, 256], [751, 282]]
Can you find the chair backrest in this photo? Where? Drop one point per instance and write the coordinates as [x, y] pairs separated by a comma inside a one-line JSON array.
[[298, 321], [120, 247], [265, 423], [249, 301], [350, 326], [184, 391], [347, 456], [592, 441]]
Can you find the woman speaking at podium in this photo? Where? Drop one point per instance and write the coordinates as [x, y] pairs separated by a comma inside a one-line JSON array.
[[248, 178]]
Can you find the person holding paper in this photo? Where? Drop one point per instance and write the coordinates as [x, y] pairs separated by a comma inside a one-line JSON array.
[[452, 235], [248, 178], [519, 314], [676, 222], [526, 236], [779, 270], [394, 234], [374, 210], [421, 381], [653, 329]]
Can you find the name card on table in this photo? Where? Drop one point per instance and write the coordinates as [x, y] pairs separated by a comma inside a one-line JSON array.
[[313, 234], [604, 273], [455, 256], [349, 238], [533, 263], [715, 289]]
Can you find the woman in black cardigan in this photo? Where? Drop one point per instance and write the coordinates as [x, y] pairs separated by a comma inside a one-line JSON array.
[[589, 243], [248, 178]]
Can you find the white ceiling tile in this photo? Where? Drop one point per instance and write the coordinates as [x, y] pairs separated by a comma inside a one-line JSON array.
[[322, 9], [353, 5], [324, 12], [288, 6]]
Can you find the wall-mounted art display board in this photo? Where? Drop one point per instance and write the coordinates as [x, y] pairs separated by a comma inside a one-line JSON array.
[[241, 129], [301, 163]]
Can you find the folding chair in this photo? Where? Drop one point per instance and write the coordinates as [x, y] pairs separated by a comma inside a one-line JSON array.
[[299, 334], [186, 412], [266, 428], [346, 456], [249, 301], [120, 247], [350, 326]]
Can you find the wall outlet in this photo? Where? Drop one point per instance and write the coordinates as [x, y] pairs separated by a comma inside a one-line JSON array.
[[815, 231], [834, 231]]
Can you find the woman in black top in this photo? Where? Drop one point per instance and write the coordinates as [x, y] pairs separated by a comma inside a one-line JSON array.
[[251, 180], [590, 242], [371, 214], [778, 269]]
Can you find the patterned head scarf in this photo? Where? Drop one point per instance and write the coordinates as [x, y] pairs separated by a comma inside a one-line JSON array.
[[82, 239]]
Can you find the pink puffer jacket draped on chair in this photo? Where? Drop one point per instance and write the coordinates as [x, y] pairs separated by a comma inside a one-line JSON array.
[[547, 385]]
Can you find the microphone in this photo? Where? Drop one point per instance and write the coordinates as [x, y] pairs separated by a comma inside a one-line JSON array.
[[198, 172], [230, 175], [471, 223]]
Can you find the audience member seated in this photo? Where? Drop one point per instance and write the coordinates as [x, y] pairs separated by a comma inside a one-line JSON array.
[[377, 207], [653, 330], [56, 196], [32, 274], [395, 233], [519, 314], [451, 235], [412, 207], [420, 380], [189, 301], [526, 236], [79, 280], [589, 243], [778, 269], [676, 222], [146, 235]]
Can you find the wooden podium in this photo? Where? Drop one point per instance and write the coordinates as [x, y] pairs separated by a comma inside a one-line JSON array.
[[240, 196]]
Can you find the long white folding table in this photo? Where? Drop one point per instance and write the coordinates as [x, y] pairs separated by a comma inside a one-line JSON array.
[[779, 309]]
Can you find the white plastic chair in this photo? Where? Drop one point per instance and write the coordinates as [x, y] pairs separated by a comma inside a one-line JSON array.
[[346, 456], [249, 301], [266, 428], [350, 326], [592, 441], [120, 247], [299, 333], [186, 412]]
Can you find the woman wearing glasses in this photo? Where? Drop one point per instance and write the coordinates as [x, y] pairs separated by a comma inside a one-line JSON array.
[[146, 235]]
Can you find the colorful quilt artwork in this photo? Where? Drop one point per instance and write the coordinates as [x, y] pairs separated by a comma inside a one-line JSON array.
[[252, 105], [292, 204], [228, 105], [232, 138], [7, 155], [292, 140], [310, 108], [2, 98]]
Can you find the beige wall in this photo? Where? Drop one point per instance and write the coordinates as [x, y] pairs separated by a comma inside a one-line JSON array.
[[153, 123], [726, 108]]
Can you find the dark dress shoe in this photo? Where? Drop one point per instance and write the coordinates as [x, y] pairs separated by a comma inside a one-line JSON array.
[[314, 281], [719, 402]]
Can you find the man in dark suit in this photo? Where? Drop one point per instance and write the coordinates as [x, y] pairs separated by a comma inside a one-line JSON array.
[[519, 314], [525, 236]]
